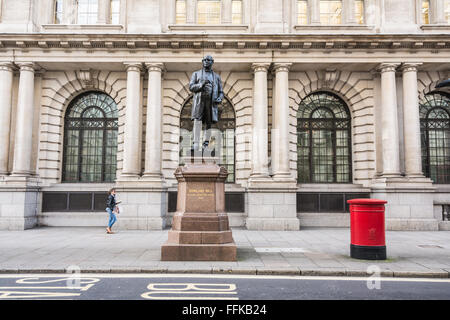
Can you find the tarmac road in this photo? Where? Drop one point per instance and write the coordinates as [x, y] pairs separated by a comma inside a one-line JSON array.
[[217, 287]]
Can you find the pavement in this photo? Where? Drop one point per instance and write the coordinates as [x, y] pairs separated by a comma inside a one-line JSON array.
[[308, 252]]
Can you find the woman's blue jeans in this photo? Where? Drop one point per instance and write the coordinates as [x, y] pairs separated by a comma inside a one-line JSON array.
[[112, 217]]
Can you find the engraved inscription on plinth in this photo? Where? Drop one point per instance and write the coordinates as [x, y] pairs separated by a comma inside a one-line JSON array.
[[200, 197], [200, 227]]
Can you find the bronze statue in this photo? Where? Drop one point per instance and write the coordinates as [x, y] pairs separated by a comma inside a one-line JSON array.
[[206, 86]]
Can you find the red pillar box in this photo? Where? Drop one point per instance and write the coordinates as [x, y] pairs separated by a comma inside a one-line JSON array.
[[367, 229]]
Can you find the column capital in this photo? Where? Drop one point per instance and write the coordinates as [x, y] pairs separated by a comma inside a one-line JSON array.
[[281, 67], [410, 66], [260, 67], [27, 66], [155, 67], [388, 67], [7, 66], [133, 66]]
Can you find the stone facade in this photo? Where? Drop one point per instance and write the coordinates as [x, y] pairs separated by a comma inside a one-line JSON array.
[[268, 63]]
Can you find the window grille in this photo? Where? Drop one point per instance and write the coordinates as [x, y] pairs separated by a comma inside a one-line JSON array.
[[90, 139], [435, 136], [323, 140]]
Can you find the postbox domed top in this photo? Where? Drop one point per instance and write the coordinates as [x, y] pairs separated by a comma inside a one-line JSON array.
[[367, 201]]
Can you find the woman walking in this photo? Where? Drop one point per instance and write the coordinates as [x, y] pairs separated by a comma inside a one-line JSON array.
[[112, 209]]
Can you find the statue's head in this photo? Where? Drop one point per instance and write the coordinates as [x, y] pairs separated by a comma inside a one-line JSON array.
[[208, 61]]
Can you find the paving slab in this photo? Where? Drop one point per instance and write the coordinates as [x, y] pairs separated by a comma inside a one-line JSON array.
[[318, 251]]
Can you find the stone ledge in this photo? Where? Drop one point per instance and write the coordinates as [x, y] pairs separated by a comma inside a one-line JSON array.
[[293, 271], [412, 224], [117, 40]]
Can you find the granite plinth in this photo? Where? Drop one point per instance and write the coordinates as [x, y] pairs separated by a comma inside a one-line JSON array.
[[200, 227]]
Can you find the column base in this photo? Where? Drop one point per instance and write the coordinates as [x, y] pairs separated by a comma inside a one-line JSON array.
[[402, 182], [128, 177], [283, 177], [22, 179], [368, 252], [156, 177], [19, 206], [259, 181]]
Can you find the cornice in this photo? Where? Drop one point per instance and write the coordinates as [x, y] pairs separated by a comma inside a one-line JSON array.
[[223, 42]]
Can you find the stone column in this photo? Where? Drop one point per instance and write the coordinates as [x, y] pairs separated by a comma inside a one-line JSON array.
[[131, 161], [271, 202], [437, 12], [314, 12], [23, 144], [411, 121], [226, 11], [260, 157], [389, 120], [6, 81], [153, 145], [280, 123], [103, 14]]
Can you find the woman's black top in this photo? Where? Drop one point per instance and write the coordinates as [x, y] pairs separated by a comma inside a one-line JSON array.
[[111, 202]]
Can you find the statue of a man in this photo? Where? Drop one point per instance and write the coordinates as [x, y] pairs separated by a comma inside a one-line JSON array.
[[206, 86]]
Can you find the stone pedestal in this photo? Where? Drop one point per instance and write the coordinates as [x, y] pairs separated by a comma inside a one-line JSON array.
[[200, 228]]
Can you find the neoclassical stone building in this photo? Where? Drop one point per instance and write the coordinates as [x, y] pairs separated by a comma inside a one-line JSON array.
[[325, 101]]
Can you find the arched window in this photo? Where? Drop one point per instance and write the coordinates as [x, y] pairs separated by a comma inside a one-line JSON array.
[[435, 136], [222, 136], [324, 140], [90, 139]]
